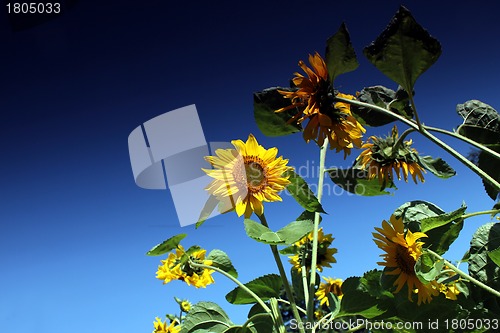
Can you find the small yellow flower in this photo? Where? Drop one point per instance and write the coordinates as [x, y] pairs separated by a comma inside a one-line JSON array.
[[185, 306], [161, 327], [402, 251], [381, 157], [177, 267], [327, 119], [304, 252], [333, 286], [246, 176]]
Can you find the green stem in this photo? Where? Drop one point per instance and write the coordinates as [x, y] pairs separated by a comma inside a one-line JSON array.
[[241, 285], [412, 102], [465, 275], [284, 278], [402, 137], [465, 139], [304, 280], [325, 319], [288, 303], [486, 212], [431, 137], [314, 259]]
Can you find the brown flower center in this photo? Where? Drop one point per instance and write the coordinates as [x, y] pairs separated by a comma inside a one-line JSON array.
[[256, 175], [404, 260]]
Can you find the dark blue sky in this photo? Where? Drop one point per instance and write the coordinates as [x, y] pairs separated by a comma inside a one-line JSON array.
[[74, 227]]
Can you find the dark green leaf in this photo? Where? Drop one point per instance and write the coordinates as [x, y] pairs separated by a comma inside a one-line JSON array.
[[427, 268], [307, 216], [340, 57], [221, 260], [415, 211], [491, 166], [287, 235], [166, 246], [383, 97], [206, 317], [436, 166], [404, 50], [481, 122], [269, 122], [495, 256], [240, 329], [265, 287], [301, 192], [355, 181], [433, 222], [262, 324]]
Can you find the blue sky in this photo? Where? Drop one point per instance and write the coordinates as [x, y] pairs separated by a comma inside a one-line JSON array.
[[74, 227]]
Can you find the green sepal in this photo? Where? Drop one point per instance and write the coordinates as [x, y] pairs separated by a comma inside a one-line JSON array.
[[265, 287], [166, 246], [340, 56], [394, 101], [355, 180], [301, 192], [404, 50], [266, 102], [437, 166], [206, 317], [221, 260], [287, 235]]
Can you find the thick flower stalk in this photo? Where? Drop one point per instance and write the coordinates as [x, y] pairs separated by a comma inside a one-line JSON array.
[[327, 119], [246, 176]]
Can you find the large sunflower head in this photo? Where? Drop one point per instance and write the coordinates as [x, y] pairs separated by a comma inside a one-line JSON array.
[[402, 250], [382, 156], [177, 267], [246, 176], [162, 327], [303, 256], [328, 119], [330, 285]]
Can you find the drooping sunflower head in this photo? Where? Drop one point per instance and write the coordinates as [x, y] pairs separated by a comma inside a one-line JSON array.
[[402, 250], [246, 176], [315, 100], [304, 247], [161, 327], [330, 285], [177, 267], [383, 155]]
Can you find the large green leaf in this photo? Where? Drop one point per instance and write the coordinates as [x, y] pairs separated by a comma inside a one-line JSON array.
[[221, 260], [262, 324], [265, 287], [265, 104], [413, 212], [437, 166], [287, 235], [206, 317], [490, 165], [355, 181], [301, 192], [404, 50], [495, 256], [166, 246], [395, 101], [340, 55], [481, 122], [440, 220]]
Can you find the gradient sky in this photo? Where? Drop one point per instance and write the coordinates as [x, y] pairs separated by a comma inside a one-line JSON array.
[[74, 227]]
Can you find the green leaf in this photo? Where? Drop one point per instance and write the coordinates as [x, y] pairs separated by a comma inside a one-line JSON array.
[[301, 192], [221, 260], [333, 304], [427, 268], [495, 256], [240, 329], [265, 287], [356, 181], [395, 101], [404, 50], [481, 122], [491, 166], [166, 246], [414, 212], [340, 56], [436, 166], [261, 323], [307, 216], [206, 317], [481, 266], [287, 235], [266, 102], [433, 222]]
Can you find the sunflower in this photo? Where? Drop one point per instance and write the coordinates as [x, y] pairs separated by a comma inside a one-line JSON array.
[[185, 306], [333, 286], [327, 118], [161, 327], [382, 156], [304, 252], [177, 267], [247, 176], [402, 252]]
